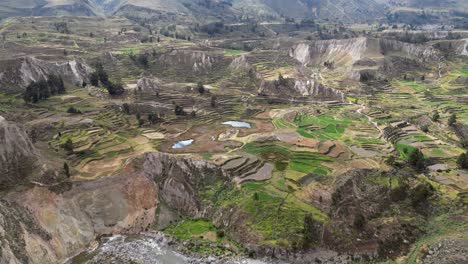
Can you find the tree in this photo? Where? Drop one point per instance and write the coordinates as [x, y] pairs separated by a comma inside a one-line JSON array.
[[435, 116], [141, 122], [200, 88], [213, 101], [416, 160], [452, 120], [68, 146], [153, 118], [391, 160], [281, 80], [73, 110], [115, 89], [126, 108], [94, 79], [425, 128], [102, 74], [255, 196], [143, 60], [179, 110], [462, 161], [66, 169], [464, 142], [310, 231]]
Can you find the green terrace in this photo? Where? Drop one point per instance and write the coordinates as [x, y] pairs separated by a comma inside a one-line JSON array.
[[300, 161], [323, 127]]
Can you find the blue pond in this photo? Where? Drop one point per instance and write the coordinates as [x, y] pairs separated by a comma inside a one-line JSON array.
[[183, 144], [238, 124]]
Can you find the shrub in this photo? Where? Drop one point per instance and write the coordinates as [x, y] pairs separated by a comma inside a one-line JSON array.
[[462, 161]]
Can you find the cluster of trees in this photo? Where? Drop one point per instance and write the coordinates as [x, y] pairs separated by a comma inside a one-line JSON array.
[[213, 28], [43, 89], [141, 59], [452, 120], [62, 27], [100, 75]]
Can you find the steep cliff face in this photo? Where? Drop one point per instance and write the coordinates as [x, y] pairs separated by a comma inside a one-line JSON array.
[[420, 53], [18, 74], [47, 225], [346, 52], [50, 226], [300, 88], [180, 180], [340, 51], [18, 156], [197, 61], [461, 47]]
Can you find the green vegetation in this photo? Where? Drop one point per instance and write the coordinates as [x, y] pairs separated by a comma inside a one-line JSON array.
[[43, 89], [462, 161], [191, 228], [323, 127], [277, 216]]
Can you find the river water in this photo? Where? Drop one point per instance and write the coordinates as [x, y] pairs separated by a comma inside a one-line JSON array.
[[143, 249]]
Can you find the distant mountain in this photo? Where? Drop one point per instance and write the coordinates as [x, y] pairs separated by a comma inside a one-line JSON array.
[[10, 8], [264, 10], [351, 11]]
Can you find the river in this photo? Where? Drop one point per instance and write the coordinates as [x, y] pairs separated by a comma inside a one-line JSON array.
[[150, 248]]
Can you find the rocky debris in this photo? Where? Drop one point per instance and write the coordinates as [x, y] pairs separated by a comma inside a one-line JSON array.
[[18, 155], [151, 247], [446, 251]]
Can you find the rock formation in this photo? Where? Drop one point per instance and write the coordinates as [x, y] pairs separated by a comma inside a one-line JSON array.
[[18, 156], [17, 74], [47, 225]]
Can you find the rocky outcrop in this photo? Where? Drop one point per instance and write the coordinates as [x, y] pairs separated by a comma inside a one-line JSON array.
[[240, 63], [300, 88], [420, 53], [149, 84], [339, 51], [461, 47], [43, 226], [196, 61], [18, 156], [357, 206], [19, 73], [180, 180], [49, 224], [346, 52]]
